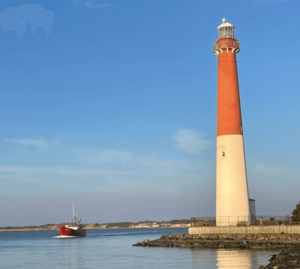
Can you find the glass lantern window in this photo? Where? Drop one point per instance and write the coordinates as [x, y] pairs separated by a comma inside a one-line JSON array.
[[225, 32]]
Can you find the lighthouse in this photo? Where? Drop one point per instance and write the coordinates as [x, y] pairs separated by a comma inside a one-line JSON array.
[[232, 197]]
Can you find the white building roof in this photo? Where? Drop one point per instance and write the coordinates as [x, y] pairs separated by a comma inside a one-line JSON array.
[[225, 23]]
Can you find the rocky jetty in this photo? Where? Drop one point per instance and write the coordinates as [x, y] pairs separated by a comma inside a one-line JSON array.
[[286, 259], [226, 241]]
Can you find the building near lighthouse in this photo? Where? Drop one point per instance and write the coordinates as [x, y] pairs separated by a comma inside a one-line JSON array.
[[233, 206]]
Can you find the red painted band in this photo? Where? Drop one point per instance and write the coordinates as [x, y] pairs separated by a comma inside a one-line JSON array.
[[229, 120]]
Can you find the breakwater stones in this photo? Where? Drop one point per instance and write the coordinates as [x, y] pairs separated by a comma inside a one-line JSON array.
[[286, 259], [226, 241]]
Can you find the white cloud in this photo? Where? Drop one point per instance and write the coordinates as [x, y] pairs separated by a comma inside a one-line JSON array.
[[41, 144], [190, 141], [25, 172], [159, 174], [68, 170], [104, 156], [66, 167]]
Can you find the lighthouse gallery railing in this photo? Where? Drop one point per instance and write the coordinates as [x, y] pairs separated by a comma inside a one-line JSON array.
[[242, 220]]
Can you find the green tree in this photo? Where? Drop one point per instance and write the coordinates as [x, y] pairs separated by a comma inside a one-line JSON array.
[[296, 213]]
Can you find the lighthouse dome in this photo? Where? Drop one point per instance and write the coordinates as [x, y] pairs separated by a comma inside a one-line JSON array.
[[226, 30]]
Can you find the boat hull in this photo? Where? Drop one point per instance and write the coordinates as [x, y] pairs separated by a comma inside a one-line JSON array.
[[70, 232]]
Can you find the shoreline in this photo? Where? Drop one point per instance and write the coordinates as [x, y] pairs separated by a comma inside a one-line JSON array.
[[287, 244], [54, 228], [226, 241]]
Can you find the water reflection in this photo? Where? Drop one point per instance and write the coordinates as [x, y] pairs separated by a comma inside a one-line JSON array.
[[234, 259], [69, 252], [202, 258]]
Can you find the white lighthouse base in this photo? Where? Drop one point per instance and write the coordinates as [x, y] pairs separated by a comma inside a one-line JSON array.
[[232, 189]]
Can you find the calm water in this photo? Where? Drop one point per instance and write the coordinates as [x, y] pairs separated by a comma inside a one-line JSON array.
[[113, 249]]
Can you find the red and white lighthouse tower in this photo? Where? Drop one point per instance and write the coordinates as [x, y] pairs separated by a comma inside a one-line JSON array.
[[232, 189]]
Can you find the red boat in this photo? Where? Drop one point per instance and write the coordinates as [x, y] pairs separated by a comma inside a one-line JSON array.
[[73, 228]]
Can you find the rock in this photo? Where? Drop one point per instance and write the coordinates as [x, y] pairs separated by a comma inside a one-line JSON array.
[[185, 246], [292, 262], [256, 247], [179, 236], [280, 246], [279, 266], [288, 258], [281, 256]]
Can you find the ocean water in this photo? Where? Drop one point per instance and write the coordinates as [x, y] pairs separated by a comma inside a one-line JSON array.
[[113, 249]]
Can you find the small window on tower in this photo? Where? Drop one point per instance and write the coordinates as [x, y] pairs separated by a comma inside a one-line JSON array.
[[223, 153]]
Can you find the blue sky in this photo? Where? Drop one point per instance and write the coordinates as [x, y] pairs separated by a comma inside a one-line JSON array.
[[112, 105]]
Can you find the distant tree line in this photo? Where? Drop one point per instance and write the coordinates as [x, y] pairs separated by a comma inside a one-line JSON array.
[[30, 227], [108, 225], [296, 213], [147, 222]]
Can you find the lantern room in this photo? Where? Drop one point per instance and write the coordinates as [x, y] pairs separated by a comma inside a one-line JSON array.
[[226, 30]]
